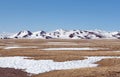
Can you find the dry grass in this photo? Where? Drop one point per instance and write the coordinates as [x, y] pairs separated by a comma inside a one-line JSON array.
[[107, 67], [109, 62], [86, 72]]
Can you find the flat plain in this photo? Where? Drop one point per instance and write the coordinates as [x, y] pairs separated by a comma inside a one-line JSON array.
[[34, 48]]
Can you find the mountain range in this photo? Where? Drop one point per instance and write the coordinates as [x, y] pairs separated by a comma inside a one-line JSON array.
[[63, 34]]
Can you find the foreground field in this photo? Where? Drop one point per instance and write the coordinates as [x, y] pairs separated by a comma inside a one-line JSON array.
[[35, 49]]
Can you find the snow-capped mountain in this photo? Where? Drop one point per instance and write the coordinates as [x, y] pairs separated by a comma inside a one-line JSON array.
[[5, 35], [38, 34], [22, 34], [59, 33], [67, 34], [116, 34]]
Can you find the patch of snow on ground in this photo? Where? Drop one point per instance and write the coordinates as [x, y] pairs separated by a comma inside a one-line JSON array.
[[73, 48], [15, 47], [60, 43], [41, 66], [116, 51]]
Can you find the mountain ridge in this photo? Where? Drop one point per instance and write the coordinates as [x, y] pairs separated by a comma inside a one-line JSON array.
[[64, 34]]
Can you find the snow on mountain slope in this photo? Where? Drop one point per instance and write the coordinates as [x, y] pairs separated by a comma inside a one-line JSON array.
[[67, 34], [59, 33], [22, 34], [38, 34], [101, 34], [5, 35], [116, 34]]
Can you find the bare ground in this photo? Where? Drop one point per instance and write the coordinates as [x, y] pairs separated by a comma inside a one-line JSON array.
[[9, 72]]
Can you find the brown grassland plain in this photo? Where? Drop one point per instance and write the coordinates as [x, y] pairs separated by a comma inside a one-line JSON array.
[[106, 68]]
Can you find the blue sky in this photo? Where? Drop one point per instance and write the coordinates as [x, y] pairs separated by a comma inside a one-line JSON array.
[[48, 15]]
